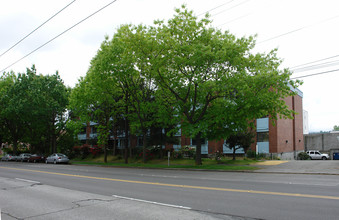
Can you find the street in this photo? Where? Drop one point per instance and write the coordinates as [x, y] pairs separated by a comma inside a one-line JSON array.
[[180, 194]]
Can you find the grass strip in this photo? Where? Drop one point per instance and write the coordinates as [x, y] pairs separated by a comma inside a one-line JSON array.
[[228, 167]]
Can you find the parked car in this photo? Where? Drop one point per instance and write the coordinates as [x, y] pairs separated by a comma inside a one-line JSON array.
[[36, 158], [57, 158], [23, 157], [316, 155], [8, 157]]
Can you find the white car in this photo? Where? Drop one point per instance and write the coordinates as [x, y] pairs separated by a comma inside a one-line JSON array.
[[316, 155]]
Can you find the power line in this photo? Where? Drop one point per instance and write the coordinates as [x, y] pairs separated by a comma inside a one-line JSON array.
[[316, 61], [58, 35], [315, 74], [298, 29], [316, 66], [37, 28], [230, 8], [235, 19], [216, 7]]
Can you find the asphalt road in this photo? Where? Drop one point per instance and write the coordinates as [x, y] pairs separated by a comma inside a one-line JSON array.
[[221, 195]]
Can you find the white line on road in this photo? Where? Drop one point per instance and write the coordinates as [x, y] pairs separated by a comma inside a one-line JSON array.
[[30, 181], [151, 202]]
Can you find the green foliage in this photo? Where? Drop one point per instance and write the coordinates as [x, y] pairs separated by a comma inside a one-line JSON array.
[[32, 109], [185, 152], [252, 154], [336, 128], [303, 156], [240, 140], [182, 72]]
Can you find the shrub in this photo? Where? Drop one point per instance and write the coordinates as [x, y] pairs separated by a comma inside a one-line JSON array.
[[218, 155], [257, 156], [177, 154], [152, 152], [303, 156], [188, 151]]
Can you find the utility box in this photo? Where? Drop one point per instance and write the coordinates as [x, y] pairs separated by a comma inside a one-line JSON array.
[[335, 156]]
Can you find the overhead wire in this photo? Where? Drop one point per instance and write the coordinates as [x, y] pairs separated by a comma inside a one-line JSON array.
[[315, 74], [316, 66], [230, 8], [316, 61], [233, 20], [59, 35], [215, 8], [298, 29], [304, 67], [37, 28]]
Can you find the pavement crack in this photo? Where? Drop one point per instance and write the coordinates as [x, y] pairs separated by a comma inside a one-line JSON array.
[[7, 214], [77, 204], [20, 187], [89, 202]]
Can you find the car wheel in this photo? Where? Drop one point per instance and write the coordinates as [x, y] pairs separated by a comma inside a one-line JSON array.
[[324, 158], [54, 161], [34, 161], [46, 161]]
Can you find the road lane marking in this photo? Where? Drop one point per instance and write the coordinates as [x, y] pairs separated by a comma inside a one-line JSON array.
[[29, 181], [151, 202], [271, 162], [183, 186]]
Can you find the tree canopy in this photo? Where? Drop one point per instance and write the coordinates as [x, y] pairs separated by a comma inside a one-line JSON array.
[[210, 80], [32, 109]]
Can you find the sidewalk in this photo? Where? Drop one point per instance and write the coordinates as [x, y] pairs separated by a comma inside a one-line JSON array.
[[324, 167]]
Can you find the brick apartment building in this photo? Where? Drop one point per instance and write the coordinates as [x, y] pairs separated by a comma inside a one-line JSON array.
[[283, 140]]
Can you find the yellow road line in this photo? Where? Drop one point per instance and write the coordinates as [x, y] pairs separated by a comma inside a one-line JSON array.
[[183, 186], [272, 162]]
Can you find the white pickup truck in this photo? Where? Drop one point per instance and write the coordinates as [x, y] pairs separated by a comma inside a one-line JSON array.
[[316, 155]]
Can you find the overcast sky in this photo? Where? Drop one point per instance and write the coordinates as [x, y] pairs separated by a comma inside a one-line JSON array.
[[304, 31]]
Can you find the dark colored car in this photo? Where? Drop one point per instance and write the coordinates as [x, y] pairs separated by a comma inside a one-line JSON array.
[[36, 158]]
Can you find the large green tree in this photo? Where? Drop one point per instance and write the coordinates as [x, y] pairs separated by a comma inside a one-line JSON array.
[[10, 121], [126, 58], [96, 98], [218, 85], [33, 110]]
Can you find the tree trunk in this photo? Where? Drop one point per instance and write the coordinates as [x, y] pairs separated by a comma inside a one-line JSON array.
[[126, 129], [105, 153], [15, 147], [198, 150], [234, 153], [115, 138], [144, 145]]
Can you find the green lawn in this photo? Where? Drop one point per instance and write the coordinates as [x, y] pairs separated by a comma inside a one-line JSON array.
[[208, 164]]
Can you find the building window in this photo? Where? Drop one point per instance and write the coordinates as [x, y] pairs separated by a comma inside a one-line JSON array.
[[262, 137], [262, 124]]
